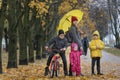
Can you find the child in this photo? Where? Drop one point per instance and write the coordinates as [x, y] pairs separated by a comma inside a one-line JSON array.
[[59, 43], [96, 46], [75, 59]]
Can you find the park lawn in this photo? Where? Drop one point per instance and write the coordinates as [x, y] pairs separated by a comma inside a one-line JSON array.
[[113, 51]]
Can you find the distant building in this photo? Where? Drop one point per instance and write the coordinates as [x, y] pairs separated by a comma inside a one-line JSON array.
[[109, 40]]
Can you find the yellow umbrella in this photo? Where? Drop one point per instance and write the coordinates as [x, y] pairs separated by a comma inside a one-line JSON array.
[[65, 22]]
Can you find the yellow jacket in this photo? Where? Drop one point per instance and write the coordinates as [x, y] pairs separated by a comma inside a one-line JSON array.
[[96, 52]]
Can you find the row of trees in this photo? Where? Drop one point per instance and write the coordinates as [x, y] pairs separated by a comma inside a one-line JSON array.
[[24, 27], [114, 12], [105, 12], [29, 22]]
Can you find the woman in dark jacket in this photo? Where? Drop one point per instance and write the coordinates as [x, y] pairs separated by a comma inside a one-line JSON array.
[[75, 36]]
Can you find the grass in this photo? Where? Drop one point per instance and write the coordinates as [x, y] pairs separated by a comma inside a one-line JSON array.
[[113, 51]]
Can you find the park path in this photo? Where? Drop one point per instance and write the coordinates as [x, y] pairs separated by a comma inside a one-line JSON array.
[[110, 65]]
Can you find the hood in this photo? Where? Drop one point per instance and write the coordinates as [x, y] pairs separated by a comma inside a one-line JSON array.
[[73, 45], [97, 33]]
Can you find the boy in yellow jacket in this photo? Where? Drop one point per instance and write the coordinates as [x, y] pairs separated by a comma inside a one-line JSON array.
[[96, 46]]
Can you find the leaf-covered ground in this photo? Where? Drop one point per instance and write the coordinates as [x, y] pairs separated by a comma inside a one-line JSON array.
[[110, 66]]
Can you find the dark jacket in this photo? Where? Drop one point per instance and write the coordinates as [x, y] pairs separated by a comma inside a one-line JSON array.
[[75, 36], [85, 42], [85, 45], [57, 43]]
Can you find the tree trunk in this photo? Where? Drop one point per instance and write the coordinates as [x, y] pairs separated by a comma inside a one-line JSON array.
[[38, 47], [2, 19], [12, 56], [31, 36], [24, 36], [1, 32], [23, 46], [38, 39], [113, 12], [31, 48]]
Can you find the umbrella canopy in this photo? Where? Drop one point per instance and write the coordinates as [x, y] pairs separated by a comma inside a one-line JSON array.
[[65, 22]]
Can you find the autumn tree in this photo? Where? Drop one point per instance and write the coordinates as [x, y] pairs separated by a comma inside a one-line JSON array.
[[46, 22], [39, 8], [113, 14], [98, 14]]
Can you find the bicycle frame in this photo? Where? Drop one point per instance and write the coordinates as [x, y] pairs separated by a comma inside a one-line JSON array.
[[55, 61], [54, 66]]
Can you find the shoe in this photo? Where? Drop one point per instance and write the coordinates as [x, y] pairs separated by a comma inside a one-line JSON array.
[[100, 73], [46, 71], [81, 74], [93, 74], [66, 75]]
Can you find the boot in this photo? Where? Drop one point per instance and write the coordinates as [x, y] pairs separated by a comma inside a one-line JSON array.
[[46, 71], [100, 73], [93, 74]]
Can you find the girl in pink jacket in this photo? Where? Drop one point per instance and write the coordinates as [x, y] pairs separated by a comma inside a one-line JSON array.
[[75, 59]]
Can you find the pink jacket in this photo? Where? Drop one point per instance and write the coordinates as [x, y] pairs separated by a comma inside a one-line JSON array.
[[75, 55]]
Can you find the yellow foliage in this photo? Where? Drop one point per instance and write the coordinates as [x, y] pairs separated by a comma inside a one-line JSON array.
[[86, 23], [43, 23], [64, 7], [32, 4], [74, 1], [41, 7]]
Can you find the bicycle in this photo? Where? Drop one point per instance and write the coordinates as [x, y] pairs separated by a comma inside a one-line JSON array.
[[55, 64]]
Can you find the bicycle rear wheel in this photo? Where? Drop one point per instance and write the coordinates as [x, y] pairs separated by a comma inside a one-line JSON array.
[[57, 73], [52, 70]]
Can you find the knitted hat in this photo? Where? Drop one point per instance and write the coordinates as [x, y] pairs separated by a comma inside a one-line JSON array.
[[60, 32], [74, 18]]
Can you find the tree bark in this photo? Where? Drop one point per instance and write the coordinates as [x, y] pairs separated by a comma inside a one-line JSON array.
[[2, 19], [37, 38], [23, 46], [31, 36], [38, 56], [12, 56], [24, 36], [1, 33]]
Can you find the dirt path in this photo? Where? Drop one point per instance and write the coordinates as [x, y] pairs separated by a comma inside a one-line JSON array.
[[110, 65], [106, 58]]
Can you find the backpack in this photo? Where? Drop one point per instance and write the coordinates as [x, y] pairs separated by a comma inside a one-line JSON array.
[[68, 36]]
